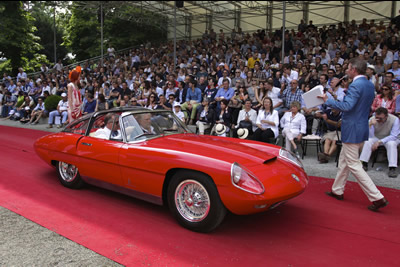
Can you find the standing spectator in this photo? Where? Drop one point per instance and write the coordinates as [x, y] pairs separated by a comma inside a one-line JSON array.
[[355, 108]]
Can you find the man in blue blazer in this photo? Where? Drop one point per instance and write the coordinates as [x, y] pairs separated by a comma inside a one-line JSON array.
[[355, 107]]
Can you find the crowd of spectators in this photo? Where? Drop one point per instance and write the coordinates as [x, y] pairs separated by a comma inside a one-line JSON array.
[[219, 75]]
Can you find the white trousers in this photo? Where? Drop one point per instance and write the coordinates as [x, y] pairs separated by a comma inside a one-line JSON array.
[[391, 149], [349, 162], [202, 126], [289, 135]]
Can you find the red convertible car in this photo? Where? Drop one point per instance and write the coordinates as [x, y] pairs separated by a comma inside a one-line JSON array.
[[152, 155]]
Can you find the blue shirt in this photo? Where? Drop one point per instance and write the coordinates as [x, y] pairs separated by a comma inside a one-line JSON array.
[[90, 106], [196, 95], [228, 94]]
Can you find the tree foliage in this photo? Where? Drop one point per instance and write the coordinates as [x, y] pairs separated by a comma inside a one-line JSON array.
[[120, 29], [18, 43], [43, 12]]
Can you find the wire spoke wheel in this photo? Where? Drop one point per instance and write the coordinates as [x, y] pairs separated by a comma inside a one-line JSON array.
[[192, 200]]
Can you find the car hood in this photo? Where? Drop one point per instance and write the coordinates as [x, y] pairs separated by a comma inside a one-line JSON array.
[[221, 148]]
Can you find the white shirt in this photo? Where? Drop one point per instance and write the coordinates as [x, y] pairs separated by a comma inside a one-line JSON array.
[[63, 105], [105, 133], [252, 114], [296, 125], [274, 117], [274, 95], [294, 75]]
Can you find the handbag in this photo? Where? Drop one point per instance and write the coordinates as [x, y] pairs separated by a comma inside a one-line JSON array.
[[246, 124]]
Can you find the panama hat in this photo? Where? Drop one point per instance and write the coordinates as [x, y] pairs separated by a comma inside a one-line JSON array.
[[220, 128], [243, 133]]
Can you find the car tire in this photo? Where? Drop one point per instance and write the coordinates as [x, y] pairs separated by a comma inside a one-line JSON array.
[[69, 176], [203, 210]]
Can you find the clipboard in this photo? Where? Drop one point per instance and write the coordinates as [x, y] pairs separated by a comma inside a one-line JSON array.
[[310, 98]]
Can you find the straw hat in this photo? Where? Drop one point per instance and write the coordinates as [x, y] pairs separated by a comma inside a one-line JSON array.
[[220, 128], [243, 133]]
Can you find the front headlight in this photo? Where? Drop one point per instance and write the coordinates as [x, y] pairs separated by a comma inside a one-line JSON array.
[[245, 180], [290, 156]]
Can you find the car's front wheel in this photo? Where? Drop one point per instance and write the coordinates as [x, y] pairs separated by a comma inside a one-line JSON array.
[[68, 175], [194, 201]]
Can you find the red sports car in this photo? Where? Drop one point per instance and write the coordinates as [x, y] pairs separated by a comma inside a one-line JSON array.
[[152, 155]]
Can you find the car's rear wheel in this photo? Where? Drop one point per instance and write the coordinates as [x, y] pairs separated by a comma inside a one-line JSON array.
[[69, 176], [194, 201]]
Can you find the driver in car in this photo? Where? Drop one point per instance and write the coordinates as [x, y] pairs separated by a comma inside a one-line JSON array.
[[111, 129], [144, 121]]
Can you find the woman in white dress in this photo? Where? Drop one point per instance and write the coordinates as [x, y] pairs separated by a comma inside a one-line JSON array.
[[74, 95]]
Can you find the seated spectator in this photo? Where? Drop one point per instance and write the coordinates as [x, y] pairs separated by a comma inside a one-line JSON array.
[[267, 122], [247, 119], [294, 126], [38, 111], [23, 111], [9, 101], [62, 111], [223, 117], [383, 131], [101, 103], [332, 121], [384, 99], [205, 116], [290, 94], [90, 105], [193, 99], [151, 101], [163, 104], [178, 112], [111, 129], [273, 92], [224, 93]]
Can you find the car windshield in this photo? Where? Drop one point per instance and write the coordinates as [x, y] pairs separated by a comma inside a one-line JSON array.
[[148, 125]]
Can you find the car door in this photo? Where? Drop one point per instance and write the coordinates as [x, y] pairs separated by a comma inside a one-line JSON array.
[[99, 158]]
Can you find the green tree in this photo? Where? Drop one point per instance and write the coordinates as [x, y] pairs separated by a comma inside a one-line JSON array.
[[18, 42], [43, 12], [121, 30]]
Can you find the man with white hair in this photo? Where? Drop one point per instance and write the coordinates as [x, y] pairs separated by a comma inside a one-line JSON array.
[[62, 111]]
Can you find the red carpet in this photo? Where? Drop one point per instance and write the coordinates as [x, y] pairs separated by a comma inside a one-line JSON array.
[[310, 230]]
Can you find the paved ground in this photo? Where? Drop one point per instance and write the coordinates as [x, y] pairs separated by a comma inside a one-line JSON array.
[[24, 243]]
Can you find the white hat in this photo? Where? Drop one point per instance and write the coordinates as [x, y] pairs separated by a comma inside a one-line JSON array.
[[177, 104], [221, 64], [27, 108], [63, 95], [220, 128], [372, 67], [11, 112], [243, 133]]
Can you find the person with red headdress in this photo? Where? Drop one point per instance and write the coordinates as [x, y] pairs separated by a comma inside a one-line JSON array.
[[74, 95]]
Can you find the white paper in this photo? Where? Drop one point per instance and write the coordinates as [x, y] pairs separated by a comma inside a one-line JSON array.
[[310, 98]]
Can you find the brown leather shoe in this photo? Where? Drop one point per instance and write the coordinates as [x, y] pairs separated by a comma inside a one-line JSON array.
[[331, 194], [376, 205]]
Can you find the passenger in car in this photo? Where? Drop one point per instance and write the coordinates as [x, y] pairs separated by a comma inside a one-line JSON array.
[[111, 130]]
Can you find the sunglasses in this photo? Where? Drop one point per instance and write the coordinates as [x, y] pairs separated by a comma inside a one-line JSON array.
[[385, 89]]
